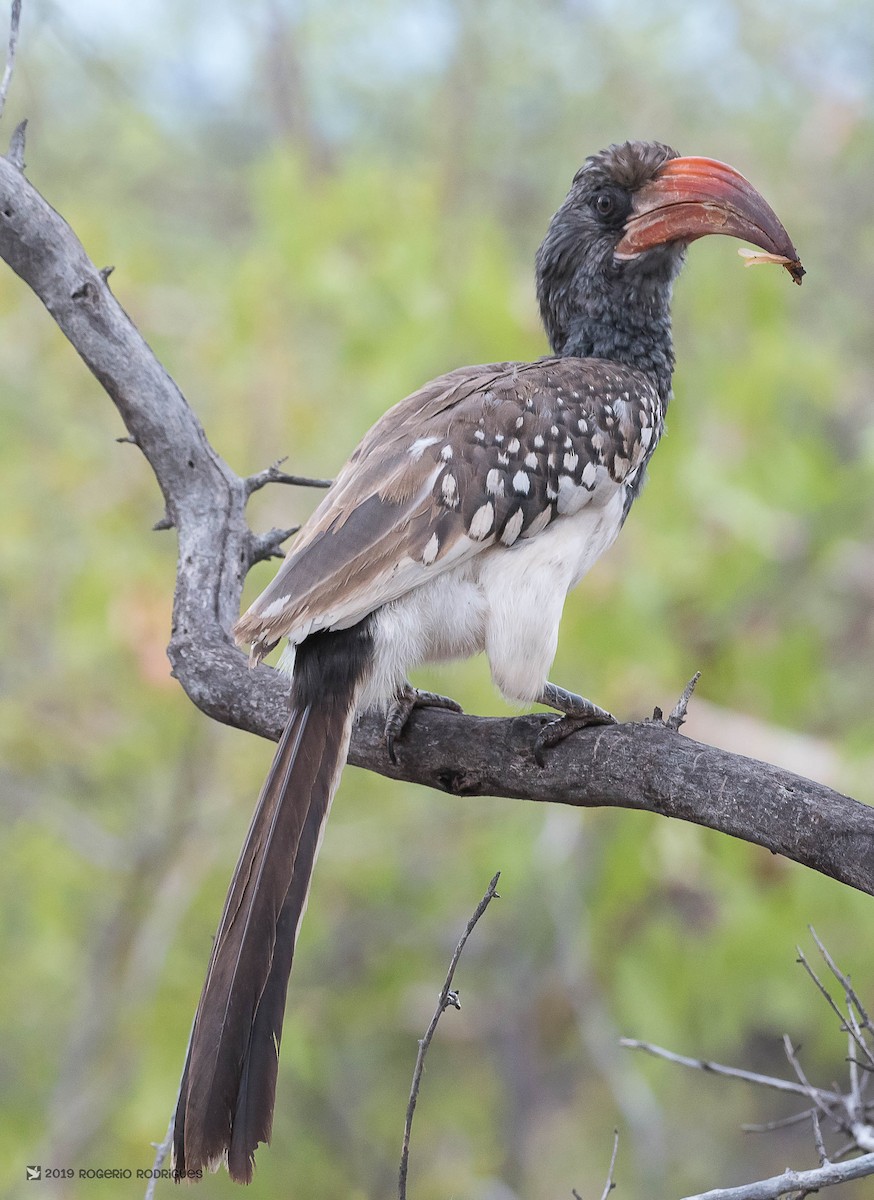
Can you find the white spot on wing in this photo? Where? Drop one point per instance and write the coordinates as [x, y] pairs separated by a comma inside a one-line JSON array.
[[531, 460], [420, 445], [495, 482], [430, 551], [513, 528], [483, 519], [521, 483]]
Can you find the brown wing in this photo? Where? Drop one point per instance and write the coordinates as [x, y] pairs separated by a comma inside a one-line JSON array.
[[478, 457]]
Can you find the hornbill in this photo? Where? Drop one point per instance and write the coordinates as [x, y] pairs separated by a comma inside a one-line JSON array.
[[458, 525]]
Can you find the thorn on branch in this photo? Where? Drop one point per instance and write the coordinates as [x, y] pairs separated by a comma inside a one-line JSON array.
[[272, 474], [16, 145], [127, 440], [105, 272], [678, 714], [166, 522]]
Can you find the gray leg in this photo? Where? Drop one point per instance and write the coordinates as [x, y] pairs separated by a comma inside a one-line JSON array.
[[578, 714], [406, 700]]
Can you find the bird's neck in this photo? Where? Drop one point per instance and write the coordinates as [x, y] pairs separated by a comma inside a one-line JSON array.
[[624, 321], [633, 329]]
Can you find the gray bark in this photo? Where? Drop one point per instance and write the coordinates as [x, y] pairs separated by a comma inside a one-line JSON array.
[[646, 766]]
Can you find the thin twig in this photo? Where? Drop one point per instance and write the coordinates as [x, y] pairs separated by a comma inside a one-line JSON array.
[[780, 1123], [272, 474], [447, 997], [815, 1094], [610, 1185], [700, 1064], [14, 21], [162, 1149], [844, 981], [817, 1139], [846, 1026]]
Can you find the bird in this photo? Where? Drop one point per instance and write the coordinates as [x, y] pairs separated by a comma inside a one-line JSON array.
[[458, 526]]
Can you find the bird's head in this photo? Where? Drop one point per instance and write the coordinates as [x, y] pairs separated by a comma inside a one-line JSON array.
[[615, 246]]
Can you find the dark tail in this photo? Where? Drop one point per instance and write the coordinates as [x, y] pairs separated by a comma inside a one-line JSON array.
[[225, 1105]]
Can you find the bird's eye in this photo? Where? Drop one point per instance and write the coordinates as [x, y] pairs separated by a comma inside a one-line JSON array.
[[605, 204]]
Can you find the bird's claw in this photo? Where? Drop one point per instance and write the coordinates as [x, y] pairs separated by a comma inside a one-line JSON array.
[[556, 731], [399, 714]]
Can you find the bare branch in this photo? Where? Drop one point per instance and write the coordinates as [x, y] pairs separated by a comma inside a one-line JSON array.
[[263, 546], [447, 999], [794, 1181], [14, 21], [272, 474], [814, 1093], [713, 1068], [781, 1123], [610, 1185], [846, 1025], [844, 981], [845, 1112], [817, 1139]]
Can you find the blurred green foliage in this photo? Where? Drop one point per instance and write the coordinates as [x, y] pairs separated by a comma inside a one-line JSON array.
[[357, 212]]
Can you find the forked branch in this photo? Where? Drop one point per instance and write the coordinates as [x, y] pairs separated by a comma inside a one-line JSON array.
[[846, 1115]]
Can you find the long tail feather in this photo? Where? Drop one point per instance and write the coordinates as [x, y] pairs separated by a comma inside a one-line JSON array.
[[226, 1099]]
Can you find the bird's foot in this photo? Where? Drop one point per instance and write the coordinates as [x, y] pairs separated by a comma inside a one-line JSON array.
[[405, 701], [579, 713]]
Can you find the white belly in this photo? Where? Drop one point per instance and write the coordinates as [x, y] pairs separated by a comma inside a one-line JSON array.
[[505, 601]]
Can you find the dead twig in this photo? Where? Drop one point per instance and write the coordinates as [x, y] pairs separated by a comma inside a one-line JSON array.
[[846, 1112], [272, 474], [714, 1068], [678, 713], [609, 1185], [448, 998], [14, 22]]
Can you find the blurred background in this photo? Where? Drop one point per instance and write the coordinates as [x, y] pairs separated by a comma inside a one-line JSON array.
[[312, 208]]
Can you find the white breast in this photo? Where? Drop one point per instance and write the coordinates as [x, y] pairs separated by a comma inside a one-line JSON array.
[[507, 601]]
